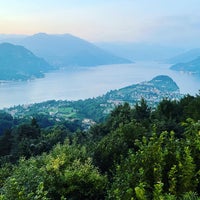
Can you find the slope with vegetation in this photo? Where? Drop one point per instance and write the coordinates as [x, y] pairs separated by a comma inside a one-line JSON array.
[[136, 153], [92, 110], [18, 63]]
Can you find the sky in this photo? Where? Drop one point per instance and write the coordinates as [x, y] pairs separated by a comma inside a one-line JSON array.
[[174, 22]]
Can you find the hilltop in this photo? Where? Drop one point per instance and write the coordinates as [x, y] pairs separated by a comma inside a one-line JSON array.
[[18, 63], [152, 91]]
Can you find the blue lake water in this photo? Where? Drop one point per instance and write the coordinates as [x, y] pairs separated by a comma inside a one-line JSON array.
[[90, 82]]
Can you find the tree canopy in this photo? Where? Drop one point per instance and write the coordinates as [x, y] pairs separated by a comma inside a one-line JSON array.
[[135, 153]]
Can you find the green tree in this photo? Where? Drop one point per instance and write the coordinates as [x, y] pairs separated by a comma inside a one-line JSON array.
[[142, 113], [6, 143], [122, 114], [167, 116], [66, 172], [116, 144], [6, 122]]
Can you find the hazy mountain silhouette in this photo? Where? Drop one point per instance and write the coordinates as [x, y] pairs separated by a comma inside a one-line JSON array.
[[185, 57], [67, 50], [141, 51], [11, 38], [192, 66], [18, 63]]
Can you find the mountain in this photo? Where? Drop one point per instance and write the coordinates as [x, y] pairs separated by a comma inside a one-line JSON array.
[[140, 51], [67, 50], [191, 67], [18, 63], [185, 57]]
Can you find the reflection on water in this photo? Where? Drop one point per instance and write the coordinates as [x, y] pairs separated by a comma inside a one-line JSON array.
[[90, 82]]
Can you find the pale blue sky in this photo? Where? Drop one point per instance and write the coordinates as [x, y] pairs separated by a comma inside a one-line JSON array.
[[161, 21]]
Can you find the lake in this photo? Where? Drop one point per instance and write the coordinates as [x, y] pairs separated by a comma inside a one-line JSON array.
[[90, 82]]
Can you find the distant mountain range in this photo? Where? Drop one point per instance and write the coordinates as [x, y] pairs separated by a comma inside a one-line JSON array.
[[190, 67], [141, 51], [64, 50], [18, 63], [32, 56], [185, 57]]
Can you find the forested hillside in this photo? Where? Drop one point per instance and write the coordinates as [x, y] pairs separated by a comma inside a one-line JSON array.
[[18, 63], [135, 153]]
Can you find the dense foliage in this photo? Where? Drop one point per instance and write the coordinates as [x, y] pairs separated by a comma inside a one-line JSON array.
[[136, 153]]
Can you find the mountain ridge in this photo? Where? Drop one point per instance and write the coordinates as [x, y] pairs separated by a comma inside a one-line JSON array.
[[67, 50], [138, 51], [18, 63], [187, 56], [192, 66]]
